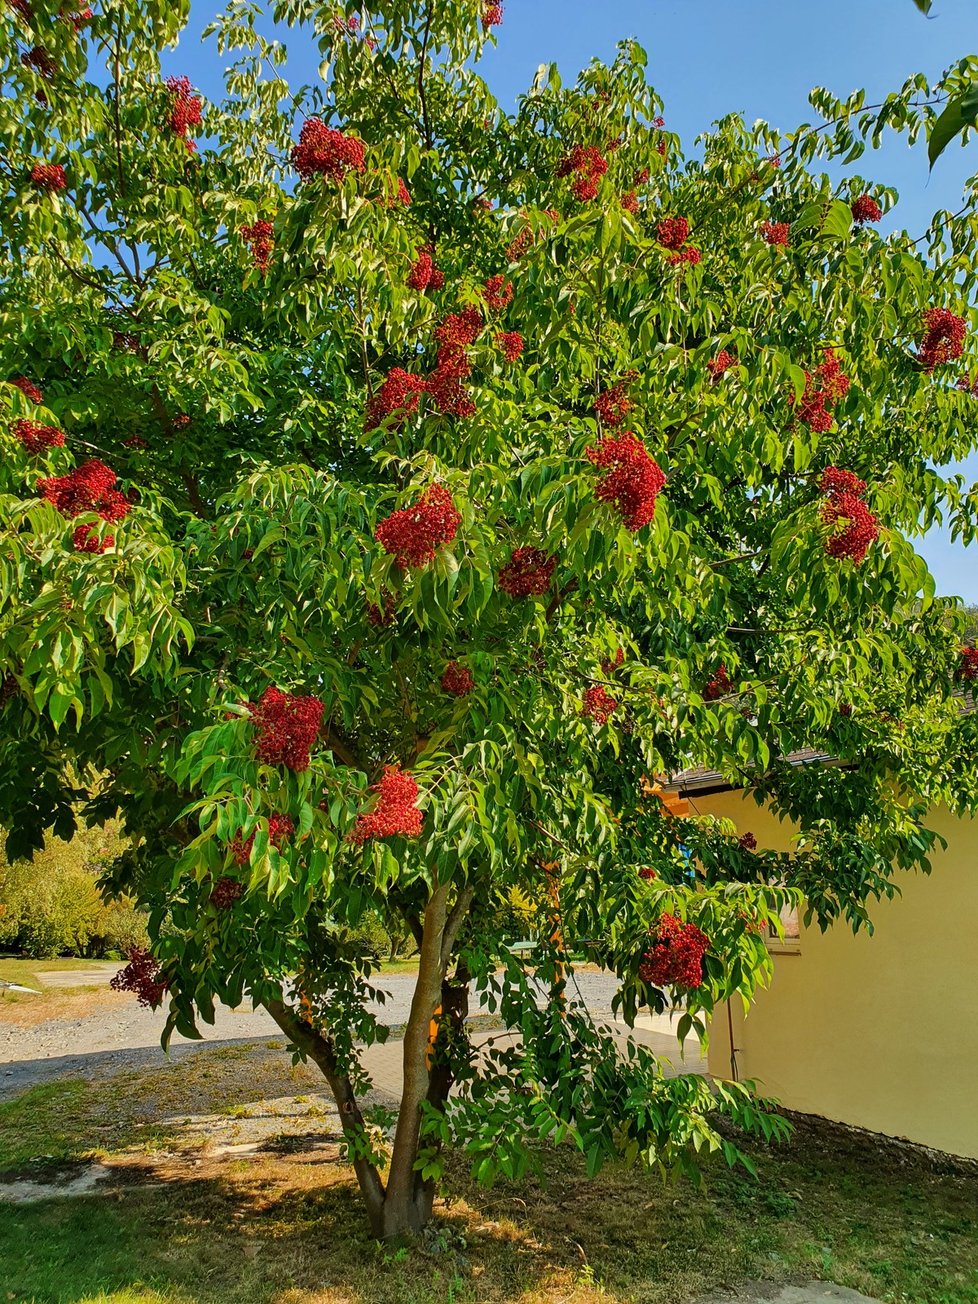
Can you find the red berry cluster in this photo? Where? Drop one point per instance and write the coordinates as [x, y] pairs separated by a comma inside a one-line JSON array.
[[721, 363], [142, 976], [629, 201], [85, 539], [613, 405], [968, 665], [457, 680], [647, 872], [610, 664], [36, 437], [511, 343], [587, 165], [413, 534], [719, 685], [23, 8], [48, 176], [599, 704], [854, 525], [492, 14], [285, 728], [89, 488], [676, 956], [498, 292], [280, 829], [822, 391], [522, 242], [672, 232], [528, 573], [632, 479], [399, 394], [967, 384], [454, 335], [690, 256], [424, 275], [403, 194], [865, 209], [776, 233], [28, 389], [748, 841], [185, 109], [226, 891], [325, 151], [39, 59], [259, 238], [836, 480], [395, 813], [379, 616], [943, 338]]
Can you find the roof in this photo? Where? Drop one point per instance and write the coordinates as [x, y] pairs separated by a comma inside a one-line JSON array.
[[699, 779]]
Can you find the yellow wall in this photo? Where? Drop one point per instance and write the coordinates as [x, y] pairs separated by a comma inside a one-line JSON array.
[[879, 1031]]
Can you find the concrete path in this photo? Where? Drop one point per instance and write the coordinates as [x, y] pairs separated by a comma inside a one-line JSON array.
[[127, 1036], [812, 1292]]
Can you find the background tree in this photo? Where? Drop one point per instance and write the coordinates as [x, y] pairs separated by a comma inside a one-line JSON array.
[[393, 484]]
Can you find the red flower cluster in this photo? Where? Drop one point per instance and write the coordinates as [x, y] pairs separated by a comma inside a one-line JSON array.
[[142, 976], [968, 665], [498, 292], [457, 331], [844, 507], [629, 201], [328, 152], [610, 664], [672, 232], [89, 488], [259, 238], [720, 684], [424, 275], [866, 209], [748, 841], [511, 343], [226, 891], [776, 233], [967, 384], [285, 728], [599, 704], [613, 405], [647, 872], [381, 616], [85, 539], [632, 479], [528, 573], [36, 437], [676, 956], [587, 165], [39, 59], [721, 363], [413, 534], [28, 389], [395, 812], [399, 393], [492, 14], [23, 8], [822, 391], [943, 338], [48, 176], [185, 108], [457, 680]]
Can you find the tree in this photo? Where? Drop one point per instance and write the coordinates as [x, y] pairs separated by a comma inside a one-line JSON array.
[[394, 486]]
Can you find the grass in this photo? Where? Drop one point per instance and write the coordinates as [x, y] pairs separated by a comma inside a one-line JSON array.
[[282, 1226]]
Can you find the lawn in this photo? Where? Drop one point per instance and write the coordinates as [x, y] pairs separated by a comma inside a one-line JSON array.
[[184, 1223]]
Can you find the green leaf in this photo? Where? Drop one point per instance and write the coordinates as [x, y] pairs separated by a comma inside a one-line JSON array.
[[960, 113]]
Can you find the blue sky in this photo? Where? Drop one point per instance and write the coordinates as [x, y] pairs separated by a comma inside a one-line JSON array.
[[758, 57]]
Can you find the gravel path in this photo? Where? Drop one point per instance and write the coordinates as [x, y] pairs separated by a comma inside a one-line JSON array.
[[129, 1037]]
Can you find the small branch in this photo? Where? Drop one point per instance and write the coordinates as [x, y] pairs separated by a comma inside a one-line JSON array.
[[425, 119], [570, 587]]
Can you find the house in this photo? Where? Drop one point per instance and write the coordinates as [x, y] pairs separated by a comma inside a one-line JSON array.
[[878, 1030]]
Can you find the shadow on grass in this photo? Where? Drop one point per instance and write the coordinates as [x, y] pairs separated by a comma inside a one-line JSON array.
[[282, 1224]]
